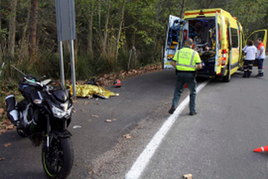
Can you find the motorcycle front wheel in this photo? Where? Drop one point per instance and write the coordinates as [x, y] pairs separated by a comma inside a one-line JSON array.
[[58, 159], [21, 132]]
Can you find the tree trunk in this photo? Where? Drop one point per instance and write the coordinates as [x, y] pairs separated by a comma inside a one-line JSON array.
[[157, 17], [24, 46], [33, 24], [134, 56], [99, 15], [182, 8], [12, 28], [106, 27], [90, 32], [120, 29], [0, 15]]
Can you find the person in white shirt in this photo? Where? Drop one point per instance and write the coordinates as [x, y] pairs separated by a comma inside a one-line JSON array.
[[250, 53], [260, 56]]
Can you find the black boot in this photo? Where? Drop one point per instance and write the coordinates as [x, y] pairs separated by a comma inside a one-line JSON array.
[[249, 73], [171, 110], [245, 74], [259, 75]]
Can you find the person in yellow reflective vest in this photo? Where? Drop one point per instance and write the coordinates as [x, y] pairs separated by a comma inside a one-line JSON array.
[[186, 61]]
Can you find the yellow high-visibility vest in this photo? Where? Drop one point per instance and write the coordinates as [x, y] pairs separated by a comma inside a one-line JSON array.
[[186, 59]]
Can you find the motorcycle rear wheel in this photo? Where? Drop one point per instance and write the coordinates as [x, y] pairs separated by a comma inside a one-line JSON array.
[[58, 160]]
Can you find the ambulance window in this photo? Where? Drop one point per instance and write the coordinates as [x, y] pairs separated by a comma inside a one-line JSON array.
[[234, 38], [219, 35]]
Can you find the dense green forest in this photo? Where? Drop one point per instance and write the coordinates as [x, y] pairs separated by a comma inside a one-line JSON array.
[[106, 31]]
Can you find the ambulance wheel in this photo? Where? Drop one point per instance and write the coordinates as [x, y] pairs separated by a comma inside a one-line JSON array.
[[226, 78]]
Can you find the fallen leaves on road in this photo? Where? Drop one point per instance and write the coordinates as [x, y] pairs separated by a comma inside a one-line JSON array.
[[9, 127], [108, 120], [108, 79], [127, 136], [6, 121], [1, 159], [95, 116], [5, 125], [76, 127], [187, 176], [1, 111], [6, 145]]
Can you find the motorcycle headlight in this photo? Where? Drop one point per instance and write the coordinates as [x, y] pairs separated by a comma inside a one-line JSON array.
[[59, 113]]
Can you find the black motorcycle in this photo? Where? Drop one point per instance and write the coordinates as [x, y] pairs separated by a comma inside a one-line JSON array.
[[43, 115]]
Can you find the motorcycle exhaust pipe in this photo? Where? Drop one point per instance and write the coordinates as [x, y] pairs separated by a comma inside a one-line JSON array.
[[12, 112]]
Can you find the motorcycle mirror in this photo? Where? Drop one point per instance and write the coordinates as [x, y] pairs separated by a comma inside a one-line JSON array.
[[44, 76]]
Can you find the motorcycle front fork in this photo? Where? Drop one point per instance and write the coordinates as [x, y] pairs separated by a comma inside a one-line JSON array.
[[47, 131]]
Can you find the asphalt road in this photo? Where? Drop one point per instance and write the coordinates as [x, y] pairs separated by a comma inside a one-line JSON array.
[[139, 98], [219, 141], [216, 143]]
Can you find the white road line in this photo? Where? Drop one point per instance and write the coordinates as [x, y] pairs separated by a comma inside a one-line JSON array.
[[144, 158]]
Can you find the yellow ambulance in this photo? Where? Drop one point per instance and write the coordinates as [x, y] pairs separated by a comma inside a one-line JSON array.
[[217, 36]]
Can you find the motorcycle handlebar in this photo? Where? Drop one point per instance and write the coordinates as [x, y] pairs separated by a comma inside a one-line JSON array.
[[33, 83]]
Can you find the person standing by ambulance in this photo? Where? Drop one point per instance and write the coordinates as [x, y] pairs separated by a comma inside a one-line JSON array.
[[186, 61], [260, 56], [250, 52]]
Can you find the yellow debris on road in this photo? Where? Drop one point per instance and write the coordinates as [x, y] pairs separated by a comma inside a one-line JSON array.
[[90, 90]]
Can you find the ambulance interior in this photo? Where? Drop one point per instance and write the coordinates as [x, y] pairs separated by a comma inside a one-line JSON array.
[[203, 33]]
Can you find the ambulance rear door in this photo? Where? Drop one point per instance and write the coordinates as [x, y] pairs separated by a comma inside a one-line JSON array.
[[226, 70], [228, 77], [172, 40], [234, 45], [241, 40], [218, 44]]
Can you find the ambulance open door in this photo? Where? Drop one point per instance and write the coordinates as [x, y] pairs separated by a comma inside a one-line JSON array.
[[172, 40], [259, 34], [256, 35], [227, 77], [217, 67]]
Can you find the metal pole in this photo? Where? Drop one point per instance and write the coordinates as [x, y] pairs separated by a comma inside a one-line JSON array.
[[61, 64], [73, 67]]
